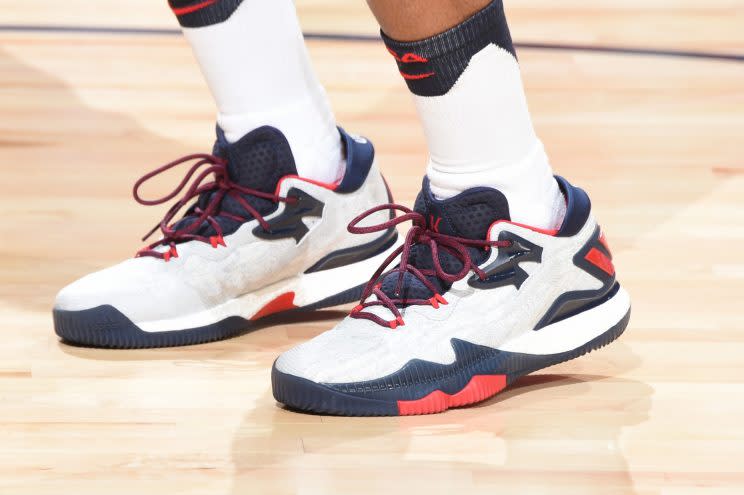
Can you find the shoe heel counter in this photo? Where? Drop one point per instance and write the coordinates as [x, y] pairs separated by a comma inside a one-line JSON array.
[[580, 221], [593, 257], [578, 209], [351, 248], [360, 158], [382, 191], [376, 192], [362, 172]]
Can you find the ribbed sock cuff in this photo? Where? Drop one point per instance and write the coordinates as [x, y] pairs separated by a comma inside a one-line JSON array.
[[433, 65], [200, 13]]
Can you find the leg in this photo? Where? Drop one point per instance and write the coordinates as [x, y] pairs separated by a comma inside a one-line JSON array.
[[254, 59], [432, 17], [504, 271], [263, 228], [469, 95]]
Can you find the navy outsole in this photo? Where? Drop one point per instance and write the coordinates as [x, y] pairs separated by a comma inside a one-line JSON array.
[[303, 395], [106, 327]]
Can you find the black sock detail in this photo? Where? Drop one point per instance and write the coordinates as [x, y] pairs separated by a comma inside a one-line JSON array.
[[432, 66], [200, 13]]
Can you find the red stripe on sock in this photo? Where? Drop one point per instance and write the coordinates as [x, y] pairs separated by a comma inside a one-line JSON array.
[[193, 8], [408, 58], [416, 76], [412, 58]]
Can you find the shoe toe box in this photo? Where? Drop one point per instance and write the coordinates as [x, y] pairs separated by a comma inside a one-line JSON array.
[[355, 350], [138, 288]]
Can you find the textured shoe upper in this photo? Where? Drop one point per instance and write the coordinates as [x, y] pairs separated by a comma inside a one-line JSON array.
[[360, 350], [198, 281]]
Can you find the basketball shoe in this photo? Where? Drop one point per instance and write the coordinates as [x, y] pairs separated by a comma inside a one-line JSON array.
[[475, 302], [255, 239]]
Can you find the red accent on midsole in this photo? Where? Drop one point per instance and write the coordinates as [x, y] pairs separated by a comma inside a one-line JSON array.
[[416, 76], [193, 8], [282, 302], [479, 388], [600, 260]]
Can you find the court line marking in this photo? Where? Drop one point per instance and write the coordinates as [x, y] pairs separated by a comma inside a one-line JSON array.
[[617, 50]]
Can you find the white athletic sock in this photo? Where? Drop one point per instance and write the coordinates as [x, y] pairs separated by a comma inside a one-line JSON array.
[[480, 134], [256, 65], [468, 91]]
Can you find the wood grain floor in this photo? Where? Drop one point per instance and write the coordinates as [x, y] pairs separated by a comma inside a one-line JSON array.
[[656, 140]]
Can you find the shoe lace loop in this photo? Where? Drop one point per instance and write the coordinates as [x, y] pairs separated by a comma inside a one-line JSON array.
[[218, 188], [419, 234]]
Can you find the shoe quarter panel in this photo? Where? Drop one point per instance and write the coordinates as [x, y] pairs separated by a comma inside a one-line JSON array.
[[506, 312], [330, 233]]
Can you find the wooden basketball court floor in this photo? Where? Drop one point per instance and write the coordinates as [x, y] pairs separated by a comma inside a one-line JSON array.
[[94, 94]]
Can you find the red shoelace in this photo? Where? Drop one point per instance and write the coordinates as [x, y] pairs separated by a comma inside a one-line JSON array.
[[419, 233], [221, 186]]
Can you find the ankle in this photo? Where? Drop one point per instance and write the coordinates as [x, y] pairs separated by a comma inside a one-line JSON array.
[[528, 184], [312, 135]]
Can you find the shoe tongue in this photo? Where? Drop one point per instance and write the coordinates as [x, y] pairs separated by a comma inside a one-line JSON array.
[[258, 160], [468, 215]]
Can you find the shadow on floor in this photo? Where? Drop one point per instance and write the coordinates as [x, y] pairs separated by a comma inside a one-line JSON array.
[[552, 433]]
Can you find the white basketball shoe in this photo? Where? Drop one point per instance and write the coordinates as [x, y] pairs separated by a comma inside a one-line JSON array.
[[256, 239], [475, 302]]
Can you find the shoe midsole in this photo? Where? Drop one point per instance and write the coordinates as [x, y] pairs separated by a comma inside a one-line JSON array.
[[308, 288], [573, 332]]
